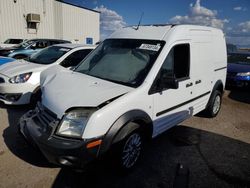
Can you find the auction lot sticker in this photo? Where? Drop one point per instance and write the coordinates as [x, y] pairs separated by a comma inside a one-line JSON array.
[[150, 47]]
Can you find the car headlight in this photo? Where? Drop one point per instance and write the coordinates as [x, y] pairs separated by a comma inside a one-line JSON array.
[[243, 74], [21, 78], [74, 122]]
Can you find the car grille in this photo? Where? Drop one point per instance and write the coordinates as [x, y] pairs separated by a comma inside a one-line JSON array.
[[1, 80], [45, 119]]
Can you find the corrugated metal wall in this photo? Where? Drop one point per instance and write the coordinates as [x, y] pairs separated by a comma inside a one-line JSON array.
[[58, 20]]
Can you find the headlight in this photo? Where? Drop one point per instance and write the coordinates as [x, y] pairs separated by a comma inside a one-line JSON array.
[[74, 122], [244, 74], [21, 78]]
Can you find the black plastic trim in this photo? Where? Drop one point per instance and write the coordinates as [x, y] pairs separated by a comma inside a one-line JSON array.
[[182, 104], [220, 69], [121, 122], [57, 148]]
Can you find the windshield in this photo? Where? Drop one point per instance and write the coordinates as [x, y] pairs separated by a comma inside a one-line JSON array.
[[48, 55], [239, 58], [123, 61]]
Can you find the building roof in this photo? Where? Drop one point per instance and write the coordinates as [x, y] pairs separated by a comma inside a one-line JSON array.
[[62, 1]]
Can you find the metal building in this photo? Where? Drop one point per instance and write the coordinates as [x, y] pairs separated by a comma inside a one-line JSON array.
[[48, 19]]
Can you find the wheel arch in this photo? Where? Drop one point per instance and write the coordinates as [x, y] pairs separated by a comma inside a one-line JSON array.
[[20, 55], [218, 86], [124, 125]]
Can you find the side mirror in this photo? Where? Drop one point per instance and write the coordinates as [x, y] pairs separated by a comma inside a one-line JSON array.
[[32, 47], [171, 83], [168, 82], [164, 81]]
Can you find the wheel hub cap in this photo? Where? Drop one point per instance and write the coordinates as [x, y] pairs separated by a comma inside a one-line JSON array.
[[131, 150]]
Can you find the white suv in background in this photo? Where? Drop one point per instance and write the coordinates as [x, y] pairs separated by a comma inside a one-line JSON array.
[[135, 85], [20, 80]]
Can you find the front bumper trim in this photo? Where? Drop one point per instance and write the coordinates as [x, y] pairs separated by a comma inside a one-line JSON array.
[[57, 150]]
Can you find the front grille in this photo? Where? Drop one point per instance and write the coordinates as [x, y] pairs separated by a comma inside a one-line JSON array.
[[1, 80], [45, 119]]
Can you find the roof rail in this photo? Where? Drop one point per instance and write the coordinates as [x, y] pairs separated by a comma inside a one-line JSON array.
[[156, 25]]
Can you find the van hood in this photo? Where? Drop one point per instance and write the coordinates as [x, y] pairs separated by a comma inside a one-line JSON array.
[[67, 89], [20, 66]]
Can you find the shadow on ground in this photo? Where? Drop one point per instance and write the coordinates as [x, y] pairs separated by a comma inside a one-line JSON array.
[[212, 161], [15, 141], [240, 95]]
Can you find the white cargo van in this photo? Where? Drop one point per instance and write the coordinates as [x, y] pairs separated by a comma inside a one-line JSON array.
[[135, 85]]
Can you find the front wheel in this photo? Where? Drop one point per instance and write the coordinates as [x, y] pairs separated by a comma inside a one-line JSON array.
[[214, 104], [130, 150]]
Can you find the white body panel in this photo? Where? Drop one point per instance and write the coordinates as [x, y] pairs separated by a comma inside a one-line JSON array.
[[166, 108], [17, 67]]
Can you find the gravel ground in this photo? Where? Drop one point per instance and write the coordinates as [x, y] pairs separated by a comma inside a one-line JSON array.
[[200, 152]]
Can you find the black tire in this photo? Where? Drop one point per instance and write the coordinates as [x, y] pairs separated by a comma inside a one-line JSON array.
[[214, 104], [129, 150], [20, 56]]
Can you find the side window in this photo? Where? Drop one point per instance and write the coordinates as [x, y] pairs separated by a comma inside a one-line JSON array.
[[40, 44], [177, 62], [181, 61], [175, 66], [75, 58]]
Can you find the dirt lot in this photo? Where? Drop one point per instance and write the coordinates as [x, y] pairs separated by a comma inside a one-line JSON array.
[[214, 153]]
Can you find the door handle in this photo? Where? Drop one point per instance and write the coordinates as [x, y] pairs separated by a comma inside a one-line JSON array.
[[197, 81], [189, 84]]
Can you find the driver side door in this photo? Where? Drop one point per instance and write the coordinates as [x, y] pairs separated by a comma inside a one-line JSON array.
[[172, 105]]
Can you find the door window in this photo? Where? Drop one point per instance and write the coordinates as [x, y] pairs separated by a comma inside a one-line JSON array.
[[176, 65]]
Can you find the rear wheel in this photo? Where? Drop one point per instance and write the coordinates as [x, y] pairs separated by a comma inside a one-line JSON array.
[[214, 104]]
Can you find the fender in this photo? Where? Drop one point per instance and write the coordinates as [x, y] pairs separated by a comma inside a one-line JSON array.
[[122, 127]]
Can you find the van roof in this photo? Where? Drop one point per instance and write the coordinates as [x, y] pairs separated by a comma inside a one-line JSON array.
[[154, 32]]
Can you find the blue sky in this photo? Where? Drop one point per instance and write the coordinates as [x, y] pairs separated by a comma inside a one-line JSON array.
[[233, 16]]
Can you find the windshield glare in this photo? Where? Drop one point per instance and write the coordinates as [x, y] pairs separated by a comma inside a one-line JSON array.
[[123, 61], [48, 55]]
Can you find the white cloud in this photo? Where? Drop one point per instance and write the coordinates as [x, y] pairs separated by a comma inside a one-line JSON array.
[[110, 21], [244, 27], [237, 8], [200, 15], [240, 8], [239, 40], [240, 35]]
